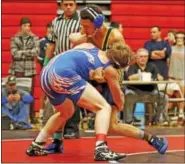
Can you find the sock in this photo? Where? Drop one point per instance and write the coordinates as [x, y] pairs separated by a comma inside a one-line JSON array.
[[41, 112], [42, 137], [100, 138], [38, 144], [141, 134], [146, 136], [58, 135]]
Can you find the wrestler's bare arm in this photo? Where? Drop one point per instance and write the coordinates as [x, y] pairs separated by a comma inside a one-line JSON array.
[[78, 38], [111, 76]]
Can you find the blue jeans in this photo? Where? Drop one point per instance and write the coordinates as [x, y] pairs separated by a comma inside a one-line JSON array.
[[20, 113]]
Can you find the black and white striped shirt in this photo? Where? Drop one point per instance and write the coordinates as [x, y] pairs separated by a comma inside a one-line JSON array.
[[61, 29]]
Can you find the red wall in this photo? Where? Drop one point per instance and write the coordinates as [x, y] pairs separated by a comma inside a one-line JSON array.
[[137, 17], [40, 13]]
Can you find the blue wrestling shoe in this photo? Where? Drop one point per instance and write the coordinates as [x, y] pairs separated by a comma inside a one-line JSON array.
[[159, 143], [55, 147]]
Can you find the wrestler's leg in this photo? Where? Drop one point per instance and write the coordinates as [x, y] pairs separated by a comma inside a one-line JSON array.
[[65, 111], [91, 99], [125, 129]]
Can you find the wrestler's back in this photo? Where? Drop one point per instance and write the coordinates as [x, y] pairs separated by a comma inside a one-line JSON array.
[[80, 61]]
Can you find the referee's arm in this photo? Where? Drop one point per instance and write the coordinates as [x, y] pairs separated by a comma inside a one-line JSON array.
[[49, 53]]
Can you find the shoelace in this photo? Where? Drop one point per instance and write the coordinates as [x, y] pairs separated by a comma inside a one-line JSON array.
[[106, 150], [38, 150]]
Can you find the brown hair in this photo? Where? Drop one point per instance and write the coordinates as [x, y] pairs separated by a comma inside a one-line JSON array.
[[159, 28], [115, 24], [180, 32], [173, 31], [68, 0], [25, 20], [119, 54], [49, 24]]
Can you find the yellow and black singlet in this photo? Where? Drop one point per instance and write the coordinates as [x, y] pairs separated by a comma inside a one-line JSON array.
[[106, 39], [104, 48]]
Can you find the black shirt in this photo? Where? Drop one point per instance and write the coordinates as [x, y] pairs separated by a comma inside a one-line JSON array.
[[133, 69]]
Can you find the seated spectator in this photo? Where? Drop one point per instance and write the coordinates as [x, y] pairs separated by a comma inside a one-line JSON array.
[[141, 93], [16, 104]]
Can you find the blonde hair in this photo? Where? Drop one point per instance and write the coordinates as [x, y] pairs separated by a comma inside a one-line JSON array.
[[119, 54]]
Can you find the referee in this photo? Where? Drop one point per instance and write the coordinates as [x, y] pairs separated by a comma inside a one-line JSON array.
[[62, 26]]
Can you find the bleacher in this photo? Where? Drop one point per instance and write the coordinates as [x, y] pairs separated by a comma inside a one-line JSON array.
[[136, 17]]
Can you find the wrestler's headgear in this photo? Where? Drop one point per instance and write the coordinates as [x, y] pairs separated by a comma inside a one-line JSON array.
[[98, 18], [120, 55]]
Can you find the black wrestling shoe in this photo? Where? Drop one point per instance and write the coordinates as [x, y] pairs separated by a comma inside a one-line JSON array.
[[36, 149], [102, 153]]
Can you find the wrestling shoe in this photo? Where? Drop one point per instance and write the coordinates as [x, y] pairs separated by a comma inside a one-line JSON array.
[[159, 143], [102, 153], [36, 149], [55, 147]]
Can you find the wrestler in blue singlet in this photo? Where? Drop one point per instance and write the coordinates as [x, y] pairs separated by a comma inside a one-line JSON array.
[[66, 75]]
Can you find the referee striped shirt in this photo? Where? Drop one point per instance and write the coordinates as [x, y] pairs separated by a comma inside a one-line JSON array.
[[61, 29]]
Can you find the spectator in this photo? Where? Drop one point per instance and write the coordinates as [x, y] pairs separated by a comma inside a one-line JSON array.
[[44, 42], [117, 25], [176, 68], [24, 49], [140, 93], [159, 51], [171, 37], [16, 104]]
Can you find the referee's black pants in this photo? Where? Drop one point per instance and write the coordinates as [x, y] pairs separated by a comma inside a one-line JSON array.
[[72, 125]]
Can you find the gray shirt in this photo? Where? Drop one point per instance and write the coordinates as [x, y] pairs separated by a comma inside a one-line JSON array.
[[20, 66], [176, 66]]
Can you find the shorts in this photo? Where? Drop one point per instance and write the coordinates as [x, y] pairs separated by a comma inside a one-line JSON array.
[[171, 87], [62, 85]]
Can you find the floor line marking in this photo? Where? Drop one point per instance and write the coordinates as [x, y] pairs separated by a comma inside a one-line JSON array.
[[151, 152]]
